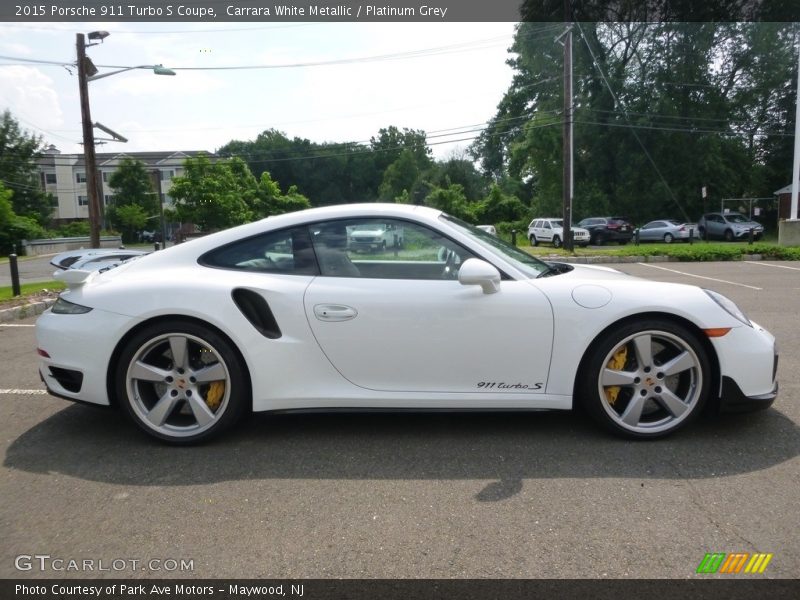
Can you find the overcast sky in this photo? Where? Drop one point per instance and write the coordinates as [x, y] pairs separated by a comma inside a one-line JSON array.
[[437, 77]]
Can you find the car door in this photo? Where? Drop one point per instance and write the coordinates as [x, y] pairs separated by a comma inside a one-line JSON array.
[[405, 323], [547, 231]]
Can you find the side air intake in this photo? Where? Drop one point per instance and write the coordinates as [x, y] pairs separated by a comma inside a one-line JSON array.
[[257, 311]]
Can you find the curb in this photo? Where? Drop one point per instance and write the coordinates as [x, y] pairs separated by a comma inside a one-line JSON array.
[[26, 310]]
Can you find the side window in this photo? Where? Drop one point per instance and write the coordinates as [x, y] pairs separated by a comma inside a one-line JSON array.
[[546, 224], [376, 248], [537, 225], [286, 251]]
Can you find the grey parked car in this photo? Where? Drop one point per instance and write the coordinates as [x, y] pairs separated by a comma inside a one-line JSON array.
[[666, 230], [728, 226]]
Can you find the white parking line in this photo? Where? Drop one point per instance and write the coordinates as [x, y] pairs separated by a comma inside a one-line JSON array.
[[24, 392], [752, 287], [17, 325], [760, 264]]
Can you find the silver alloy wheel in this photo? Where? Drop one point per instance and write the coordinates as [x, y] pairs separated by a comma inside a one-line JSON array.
[[657, 387], [178, 385]]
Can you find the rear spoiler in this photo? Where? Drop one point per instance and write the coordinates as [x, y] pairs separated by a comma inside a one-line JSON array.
[[73, 278]]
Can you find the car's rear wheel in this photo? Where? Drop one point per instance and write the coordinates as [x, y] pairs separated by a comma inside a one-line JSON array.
[[181, 382], [728, 235], [534, 241], [556, 242], [646, 379]]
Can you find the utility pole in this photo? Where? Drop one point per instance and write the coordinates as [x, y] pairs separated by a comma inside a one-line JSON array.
[[567, 150], [89, 159]]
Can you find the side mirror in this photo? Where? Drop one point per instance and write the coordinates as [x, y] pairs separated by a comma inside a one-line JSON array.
[[478, 272]]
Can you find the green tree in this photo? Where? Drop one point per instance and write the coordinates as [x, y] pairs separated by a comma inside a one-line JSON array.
[[130, 217], [499, 207], [134, 198], [214, 195], [18, 154], [132, 184], [451, 200], [14, 228], [270, 200]]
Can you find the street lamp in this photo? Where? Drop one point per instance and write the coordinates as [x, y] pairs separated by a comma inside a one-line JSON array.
[[88, 72]]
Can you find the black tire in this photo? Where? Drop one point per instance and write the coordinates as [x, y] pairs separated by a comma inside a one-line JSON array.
[[556, 241], [701, 232], [668, 239], [534, 241], [200, 395], [599, 240], [636, 399], [728, 235]]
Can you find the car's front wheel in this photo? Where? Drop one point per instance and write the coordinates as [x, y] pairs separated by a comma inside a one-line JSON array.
[[556, 242], [668, 238], [645, 379], [534, 241], [181, 382]]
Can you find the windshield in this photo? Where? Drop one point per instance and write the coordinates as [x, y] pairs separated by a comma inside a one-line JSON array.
[[734, 218], [557, 222], [532, 267]]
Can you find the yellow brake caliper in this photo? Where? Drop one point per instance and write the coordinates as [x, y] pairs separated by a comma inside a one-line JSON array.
[[214, 395], [617, 363]]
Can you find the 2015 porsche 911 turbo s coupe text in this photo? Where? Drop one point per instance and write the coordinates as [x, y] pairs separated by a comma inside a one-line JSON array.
[[286, 314]]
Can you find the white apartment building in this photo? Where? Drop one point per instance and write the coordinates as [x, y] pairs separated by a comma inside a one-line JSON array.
[[64, 176]]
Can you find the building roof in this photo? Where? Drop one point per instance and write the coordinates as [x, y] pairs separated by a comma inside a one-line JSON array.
[[783, 190], [110, 159]]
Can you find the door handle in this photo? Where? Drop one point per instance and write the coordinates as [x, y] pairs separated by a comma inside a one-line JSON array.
[[334, 312]]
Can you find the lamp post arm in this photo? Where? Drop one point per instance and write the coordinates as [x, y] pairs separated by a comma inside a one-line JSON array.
[[157, 69]]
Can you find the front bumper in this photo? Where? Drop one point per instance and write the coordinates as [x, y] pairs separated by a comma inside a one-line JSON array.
[[733, 400], [741, 234]]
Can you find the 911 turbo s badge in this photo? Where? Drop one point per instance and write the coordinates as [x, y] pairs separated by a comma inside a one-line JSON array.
[[489, 385]]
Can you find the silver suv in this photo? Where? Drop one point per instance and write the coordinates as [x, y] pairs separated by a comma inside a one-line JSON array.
[[728, 226]]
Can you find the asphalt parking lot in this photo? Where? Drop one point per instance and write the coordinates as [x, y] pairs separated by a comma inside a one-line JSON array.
[[541, 495]]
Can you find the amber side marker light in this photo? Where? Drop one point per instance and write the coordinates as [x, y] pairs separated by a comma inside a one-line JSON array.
[[41, 352], [716, 332]]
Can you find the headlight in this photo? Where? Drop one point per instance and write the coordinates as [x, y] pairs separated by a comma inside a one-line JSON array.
[[729, 306], [62, 307]]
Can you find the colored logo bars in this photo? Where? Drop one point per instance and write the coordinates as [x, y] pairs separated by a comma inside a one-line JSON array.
[[736, 562]]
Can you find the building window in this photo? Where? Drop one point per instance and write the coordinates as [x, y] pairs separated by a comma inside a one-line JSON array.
[[106, 175], [108, 198], [83, 200], [167, 174], [50, 178], [80, 177]]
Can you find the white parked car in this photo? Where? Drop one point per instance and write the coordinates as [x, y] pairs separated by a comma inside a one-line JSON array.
[[551, 231], [375, 236], [279, 315]]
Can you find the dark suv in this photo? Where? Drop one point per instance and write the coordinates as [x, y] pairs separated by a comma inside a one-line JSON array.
[[608, 229]]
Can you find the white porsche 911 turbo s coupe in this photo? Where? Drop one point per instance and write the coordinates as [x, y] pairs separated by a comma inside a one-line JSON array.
[[282, 315]]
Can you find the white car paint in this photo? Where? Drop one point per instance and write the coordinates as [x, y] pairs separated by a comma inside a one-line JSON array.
[[452, 346]]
